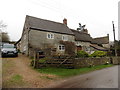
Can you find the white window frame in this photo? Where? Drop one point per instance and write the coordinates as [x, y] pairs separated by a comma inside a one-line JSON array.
[[64, 38], [61, 47], [51, 36]]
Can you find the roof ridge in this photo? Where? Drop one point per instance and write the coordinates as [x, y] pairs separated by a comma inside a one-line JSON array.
[[100, 37], [44, 24], [79, 31], [44, 19]]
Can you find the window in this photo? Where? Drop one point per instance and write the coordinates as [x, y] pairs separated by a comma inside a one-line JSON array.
[[64, 38], [61, 47], [50, 36]]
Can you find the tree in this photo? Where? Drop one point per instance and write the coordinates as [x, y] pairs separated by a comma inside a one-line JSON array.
[[3, 35], [117, 47], [2, 26]]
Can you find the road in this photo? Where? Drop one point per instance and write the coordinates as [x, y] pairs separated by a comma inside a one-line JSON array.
[[105, 78]]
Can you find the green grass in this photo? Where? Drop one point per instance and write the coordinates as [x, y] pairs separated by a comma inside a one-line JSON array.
[[47, 77], [15, 80], [16, 77], [62, 72]]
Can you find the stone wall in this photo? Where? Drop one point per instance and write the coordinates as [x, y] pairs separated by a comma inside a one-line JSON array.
[[115, 60], [39, 40], [80, 62], [88, 62]]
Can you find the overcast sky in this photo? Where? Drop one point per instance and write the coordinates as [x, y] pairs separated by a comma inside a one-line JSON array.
[[96, 14]]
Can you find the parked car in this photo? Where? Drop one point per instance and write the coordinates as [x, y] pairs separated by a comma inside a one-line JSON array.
[[9, 50]]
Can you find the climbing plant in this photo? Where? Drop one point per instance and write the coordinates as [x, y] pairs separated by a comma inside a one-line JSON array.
[[69, 47]]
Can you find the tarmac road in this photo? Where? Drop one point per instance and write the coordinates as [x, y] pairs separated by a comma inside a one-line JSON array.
[[105, 78]]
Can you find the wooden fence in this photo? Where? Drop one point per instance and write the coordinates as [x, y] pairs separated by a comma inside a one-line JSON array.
[[72, 62]]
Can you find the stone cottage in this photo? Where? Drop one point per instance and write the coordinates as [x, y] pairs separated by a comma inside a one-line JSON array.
[[82, 40], [44, 35], [85, 42], [102, 41]]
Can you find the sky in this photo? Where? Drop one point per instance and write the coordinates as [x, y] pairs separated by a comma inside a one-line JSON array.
[[97, 15]]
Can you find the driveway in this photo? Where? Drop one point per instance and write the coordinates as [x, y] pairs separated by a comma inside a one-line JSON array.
[[17, 73], [105, 78]]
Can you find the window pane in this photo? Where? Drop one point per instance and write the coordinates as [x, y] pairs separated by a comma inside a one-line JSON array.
[[59, 47], [63, 47], [48, 35], [52, 36]]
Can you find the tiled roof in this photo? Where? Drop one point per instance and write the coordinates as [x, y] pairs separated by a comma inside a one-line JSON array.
[[98, 47], [81, 36], [101, 40], [47, 25]]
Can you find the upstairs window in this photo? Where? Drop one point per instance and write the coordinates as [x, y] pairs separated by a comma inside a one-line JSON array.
[[50, 36], [65, 38]]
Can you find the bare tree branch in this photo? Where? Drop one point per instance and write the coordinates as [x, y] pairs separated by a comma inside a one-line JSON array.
[[2, 26]]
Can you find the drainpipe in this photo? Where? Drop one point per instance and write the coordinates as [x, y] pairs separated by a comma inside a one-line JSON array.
[[28, 40]]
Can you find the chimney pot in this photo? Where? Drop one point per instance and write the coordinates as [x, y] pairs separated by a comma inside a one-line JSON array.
[[65, 21]]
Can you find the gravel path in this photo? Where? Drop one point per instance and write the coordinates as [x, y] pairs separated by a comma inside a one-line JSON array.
[[21, 66]]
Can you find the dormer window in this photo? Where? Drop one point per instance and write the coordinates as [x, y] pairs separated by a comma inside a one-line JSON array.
[[50, 36]]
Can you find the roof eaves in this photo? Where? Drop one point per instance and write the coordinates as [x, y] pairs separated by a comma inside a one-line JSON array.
[[38, 29]]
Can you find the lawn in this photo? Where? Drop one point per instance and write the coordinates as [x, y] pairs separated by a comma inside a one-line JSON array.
[[62, 72]]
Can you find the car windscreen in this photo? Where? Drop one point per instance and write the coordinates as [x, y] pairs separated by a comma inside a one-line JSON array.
[[8, 46]]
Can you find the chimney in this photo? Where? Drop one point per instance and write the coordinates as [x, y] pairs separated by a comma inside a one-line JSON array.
[[65, 21], [85, 31]]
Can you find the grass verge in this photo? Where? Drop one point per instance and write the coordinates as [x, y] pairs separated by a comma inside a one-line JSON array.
[[62, 72], [15, 80]]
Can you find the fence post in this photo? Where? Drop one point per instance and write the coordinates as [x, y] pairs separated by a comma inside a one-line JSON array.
[[36, 58], [34, 64]]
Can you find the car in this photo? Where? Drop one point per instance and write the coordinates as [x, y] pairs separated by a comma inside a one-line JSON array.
[[9, 50]]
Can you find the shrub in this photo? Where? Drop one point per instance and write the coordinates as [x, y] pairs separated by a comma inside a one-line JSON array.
[[98, 54], [69, 47], [82, 54], [43, 60]]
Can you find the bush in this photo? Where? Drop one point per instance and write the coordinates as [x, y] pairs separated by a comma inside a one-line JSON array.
[[43, 60], [82, 54], [98, 54]]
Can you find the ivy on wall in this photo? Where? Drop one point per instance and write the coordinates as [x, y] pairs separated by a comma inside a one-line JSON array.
[[69, 47]]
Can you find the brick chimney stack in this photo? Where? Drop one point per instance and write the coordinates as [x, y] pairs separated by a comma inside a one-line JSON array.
[[65, 21], [84, 31]]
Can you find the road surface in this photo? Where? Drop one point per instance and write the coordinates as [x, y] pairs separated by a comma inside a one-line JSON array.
[[105, 78]]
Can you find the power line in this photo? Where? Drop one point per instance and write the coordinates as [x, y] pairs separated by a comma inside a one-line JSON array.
[[58, 9]]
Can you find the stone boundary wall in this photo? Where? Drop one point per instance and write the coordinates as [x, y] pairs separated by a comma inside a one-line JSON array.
[[80, 62], [115, 60], [88, 62]]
